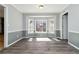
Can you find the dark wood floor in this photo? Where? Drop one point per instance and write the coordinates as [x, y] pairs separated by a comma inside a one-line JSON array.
[[40, 47], [1, 40]]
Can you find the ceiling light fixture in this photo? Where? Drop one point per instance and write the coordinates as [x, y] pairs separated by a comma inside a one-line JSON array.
[[41, 6]]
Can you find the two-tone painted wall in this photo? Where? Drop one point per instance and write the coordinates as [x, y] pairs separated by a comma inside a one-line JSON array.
[[14, 24], [73, 24]]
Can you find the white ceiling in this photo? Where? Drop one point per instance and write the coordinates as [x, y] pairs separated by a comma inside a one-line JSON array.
[[33, 8]]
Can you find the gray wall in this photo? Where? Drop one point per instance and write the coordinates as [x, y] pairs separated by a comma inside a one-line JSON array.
[[14, 19], [73, 24], [14, 36], [74, 38], [14, 24]]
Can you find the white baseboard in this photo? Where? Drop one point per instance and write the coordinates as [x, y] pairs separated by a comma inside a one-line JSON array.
[[17, 41], [56, 39], [73, 45]]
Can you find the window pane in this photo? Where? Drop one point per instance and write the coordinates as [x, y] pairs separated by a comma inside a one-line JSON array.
[[40, 26]]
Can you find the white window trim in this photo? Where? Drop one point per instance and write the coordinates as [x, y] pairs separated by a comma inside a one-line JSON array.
[[32, 17]]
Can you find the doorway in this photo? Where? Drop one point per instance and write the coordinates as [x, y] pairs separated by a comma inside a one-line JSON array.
[[65, 26], [1, 27]]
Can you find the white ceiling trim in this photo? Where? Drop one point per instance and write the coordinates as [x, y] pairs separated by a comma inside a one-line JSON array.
[[15, 7], [59, 11]]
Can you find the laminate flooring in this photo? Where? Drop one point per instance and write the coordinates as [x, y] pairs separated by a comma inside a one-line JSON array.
[[1, 41], [34, 46]]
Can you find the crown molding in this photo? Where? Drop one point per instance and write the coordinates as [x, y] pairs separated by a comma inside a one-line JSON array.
[[16, 7]]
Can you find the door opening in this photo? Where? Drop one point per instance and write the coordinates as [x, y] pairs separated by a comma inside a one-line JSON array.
[[65, 26], [1, 27]]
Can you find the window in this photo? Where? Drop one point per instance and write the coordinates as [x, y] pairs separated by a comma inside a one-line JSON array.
[[41, 25]]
